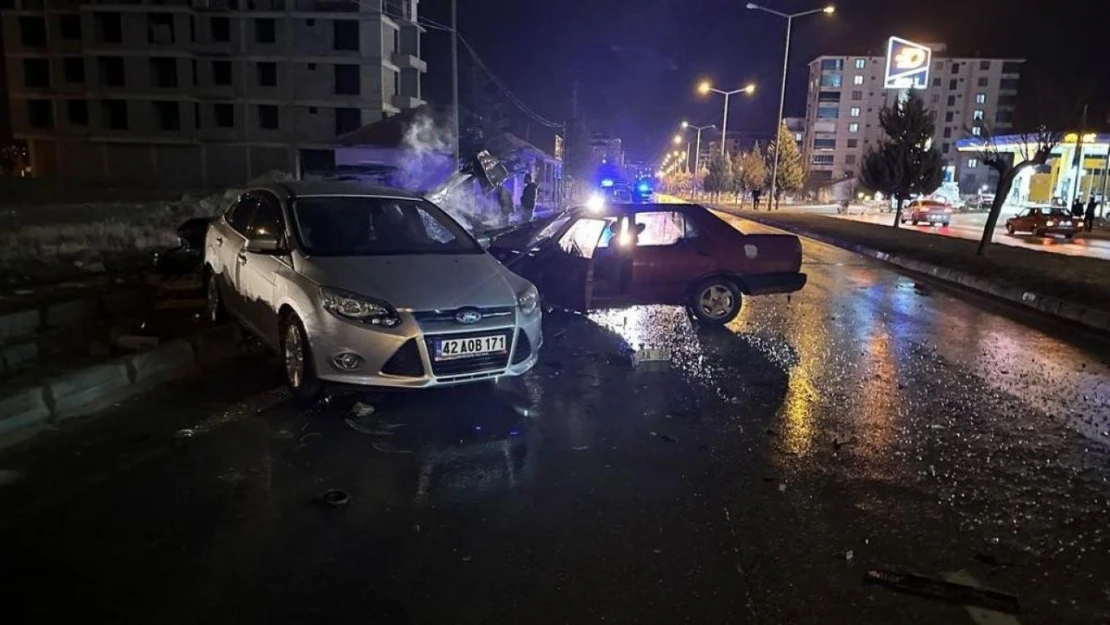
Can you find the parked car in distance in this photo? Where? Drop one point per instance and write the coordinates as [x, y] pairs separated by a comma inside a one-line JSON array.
[[679, 254], [982, 201], [367, 286], [932, 212], [1041, 222]]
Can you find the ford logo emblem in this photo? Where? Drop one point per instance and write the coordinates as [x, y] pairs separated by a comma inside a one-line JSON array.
[[468, 315]]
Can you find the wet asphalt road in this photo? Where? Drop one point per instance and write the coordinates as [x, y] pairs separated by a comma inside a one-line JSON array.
[[862, 423]]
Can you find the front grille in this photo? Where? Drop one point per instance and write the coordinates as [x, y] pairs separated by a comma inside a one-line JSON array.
[[462, 366], [523, 348], [448, 316], [406, 361]]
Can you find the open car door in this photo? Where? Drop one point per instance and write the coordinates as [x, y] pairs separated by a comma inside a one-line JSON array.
[[568, 269]]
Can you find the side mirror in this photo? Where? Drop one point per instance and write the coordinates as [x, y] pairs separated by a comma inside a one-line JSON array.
[[264, 244], [484, 241]]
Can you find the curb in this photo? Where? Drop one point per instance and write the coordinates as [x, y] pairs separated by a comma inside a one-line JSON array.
[[86, 391], [1093, 318]]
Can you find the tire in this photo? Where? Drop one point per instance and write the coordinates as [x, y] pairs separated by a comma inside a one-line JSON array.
[[1038, 233], [913, 222], [944, 225], [215, 311], [1010, 229], [1069, 237], [716, 301], [298, 367]]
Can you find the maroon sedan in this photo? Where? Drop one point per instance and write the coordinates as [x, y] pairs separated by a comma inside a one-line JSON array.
[[678, 254]]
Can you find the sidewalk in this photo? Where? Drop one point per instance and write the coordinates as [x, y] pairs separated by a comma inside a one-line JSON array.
[[1075, 289]]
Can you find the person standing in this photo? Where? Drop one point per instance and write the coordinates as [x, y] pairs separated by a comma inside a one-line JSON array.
[[1089, 217], [528, 198]]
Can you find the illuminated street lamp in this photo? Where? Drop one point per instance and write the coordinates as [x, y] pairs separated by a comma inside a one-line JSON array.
[[705, 88], [789, 17], [697, 144]]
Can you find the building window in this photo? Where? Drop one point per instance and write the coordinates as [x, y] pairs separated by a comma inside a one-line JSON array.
[[828, 96], [69, 26], [312, 67], [938, 65], [221, 73], [347, 120], [312, 110], [159, 28], [976, 130], [827, 112], [934, 98], [36, 73], [40, 113], [854, 112], [111, 71], [824, 144], [1008, 84], [947, 147], [1004, 117], [977, 114], [396, 82], [936, 82], [265, 30], [32, 32], [850, 159], [221, 28], [985, 66], [861, 63], [955, 68], [951, 100], [857, 95], [267, 74], [983, 81], [1011, 67], [345, 35], [196, 115], [115, 114], [853, 143], [832, 64], [953, 84], [78, 112], [1007, 100], [168, 115], [949, 116], [857, 79], [947, 133], [346, 80], [822, 159], [268, 117], [972, 163], [853, 127], [225, 115], [163, 72], [980, 98], [830, 81], [73, 69], [109, 28]]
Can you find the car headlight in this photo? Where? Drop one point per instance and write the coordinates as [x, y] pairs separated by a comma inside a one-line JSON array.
[[1050, 223], [529, 300], [358, 308]]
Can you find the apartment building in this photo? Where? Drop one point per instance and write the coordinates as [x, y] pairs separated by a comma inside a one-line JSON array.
[[846, 93], [201, 93]]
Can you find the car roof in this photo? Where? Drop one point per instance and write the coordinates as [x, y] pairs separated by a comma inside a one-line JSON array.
[[302, 188]]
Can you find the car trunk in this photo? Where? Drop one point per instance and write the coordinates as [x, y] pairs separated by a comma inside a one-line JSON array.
[[771, 253]]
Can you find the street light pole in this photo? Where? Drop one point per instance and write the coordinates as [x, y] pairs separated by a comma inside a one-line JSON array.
[[455, 74], [789, 17], [705, 88], [697, 143]]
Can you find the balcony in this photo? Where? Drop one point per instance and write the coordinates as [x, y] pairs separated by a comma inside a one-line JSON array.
[[405, 102], [409, 61]]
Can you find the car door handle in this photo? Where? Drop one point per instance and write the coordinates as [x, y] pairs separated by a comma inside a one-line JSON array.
[[219, 241], [242, 258]]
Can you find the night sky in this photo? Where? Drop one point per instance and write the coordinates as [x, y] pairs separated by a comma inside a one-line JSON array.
[[638, 61]]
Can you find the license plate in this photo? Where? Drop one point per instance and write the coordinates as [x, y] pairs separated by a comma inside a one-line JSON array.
[[450, 349]]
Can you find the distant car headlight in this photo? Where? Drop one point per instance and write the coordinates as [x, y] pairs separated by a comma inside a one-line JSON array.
[[1050, 223], [595, 203], [529, 300], [358, 308]]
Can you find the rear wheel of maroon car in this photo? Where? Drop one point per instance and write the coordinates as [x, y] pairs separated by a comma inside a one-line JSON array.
[[1009, 228], [716, 300]]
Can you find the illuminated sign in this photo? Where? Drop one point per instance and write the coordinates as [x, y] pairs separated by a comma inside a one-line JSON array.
[[907, 64]]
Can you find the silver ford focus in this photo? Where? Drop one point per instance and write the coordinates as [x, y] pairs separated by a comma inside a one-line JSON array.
[[368, 287]]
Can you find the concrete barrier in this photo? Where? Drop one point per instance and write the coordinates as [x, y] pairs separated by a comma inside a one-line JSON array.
[[88, 390], [170, 361], [23, 323], [15, 355], [24, 408]]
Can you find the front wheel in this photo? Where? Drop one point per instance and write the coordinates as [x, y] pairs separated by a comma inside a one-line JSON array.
[[298, 366], [716, 301], [913, 221], [1069, 236], [1010, 229]]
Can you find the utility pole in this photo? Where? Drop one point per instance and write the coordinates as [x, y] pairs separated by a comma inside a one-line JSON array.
[[1078, 161], [455, 75]]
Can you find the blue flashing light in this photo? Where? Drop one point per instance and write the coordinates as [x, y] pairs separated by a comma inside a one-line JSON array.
[[608, 182], [644, 187]]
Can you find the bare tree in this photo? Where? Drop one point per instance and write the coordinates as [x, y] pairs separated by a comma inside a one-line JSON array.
[[1032, 149]]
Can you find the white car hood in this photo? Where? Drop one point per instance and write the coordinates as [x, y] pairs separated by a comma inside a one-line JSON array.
[[419, 282]]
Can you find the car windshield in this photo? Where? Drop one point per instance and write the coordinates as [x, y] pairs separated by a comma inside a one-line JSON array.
[[376, 226], [550, 229]]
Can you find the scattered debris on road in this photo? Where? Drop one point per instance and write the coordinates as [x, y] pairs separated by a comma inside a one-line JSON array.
[[950, 592]]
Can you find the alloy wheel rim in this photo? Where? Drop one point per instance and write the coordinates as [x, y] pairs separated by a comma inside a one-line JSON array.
[[716, 301], [294, 356]]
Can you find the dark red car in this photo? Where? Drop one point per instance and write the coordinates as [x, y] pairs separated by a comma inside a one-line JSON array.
[[678, 254], [1044, 221]]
